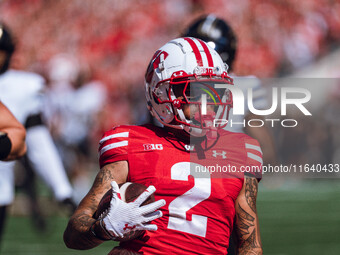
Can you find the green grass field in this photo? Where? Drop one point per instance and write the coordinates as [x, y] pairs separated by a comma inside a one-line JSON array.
[[297, 218], [301, 218]]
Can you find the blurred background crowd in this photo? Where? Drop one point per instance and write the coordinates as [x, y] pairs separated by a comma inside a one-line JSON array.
[[115, 36]]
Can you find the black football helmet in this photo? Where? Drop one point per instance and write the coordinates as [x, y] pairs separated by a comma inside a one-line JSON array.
[[217, 33], [7, 45]]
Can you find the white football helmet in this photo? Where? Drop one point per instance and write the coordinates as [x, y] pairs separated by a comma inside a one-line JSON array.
[[187, 72]]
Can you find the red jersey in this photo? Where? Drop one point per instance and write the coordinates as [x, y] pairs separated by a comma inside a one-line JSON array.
[[194, 180]]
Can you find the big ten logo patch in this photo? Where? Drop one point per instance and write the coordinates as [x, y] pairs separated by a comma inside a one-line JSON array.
[[152, 147]]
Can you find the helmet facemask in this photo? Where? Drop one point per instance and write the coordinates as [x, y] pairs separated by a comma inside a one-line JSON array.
[[198, 104]]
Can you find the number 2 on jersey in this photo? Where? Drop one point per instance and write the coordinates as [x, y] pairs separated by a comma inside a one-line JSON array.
[[179, 206]]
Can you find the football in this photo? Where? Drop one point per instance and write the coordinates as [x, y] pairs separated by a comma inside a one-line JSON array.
[[129, 191]]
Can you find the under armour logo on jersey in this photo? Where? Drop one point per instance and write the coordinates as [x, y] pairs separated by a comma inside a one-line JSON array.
[[219, 154], [152, 147]]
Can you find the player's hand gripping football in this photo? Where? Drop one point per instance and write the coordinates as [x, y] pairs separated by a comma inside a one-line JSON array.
[[124, 217]]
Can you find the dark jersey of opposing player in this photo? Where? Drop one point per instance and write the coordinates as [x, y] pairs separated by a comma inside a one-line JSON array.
[[194, 180]]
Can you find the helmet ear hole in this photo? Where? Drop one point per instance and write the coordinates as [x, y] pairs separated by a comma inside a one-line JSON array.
[[154, 98]]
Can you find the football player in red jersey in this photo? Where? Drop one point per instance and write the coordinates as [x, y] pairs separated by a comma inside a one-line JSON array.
[[201, 175]]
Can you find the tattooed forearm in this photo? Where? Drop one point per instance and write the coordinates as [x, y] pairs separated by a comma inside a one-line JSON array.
[[246, 231], [247, 225], [245, 221], [251, 192], [78, 233], [250, 248], [81, 223]]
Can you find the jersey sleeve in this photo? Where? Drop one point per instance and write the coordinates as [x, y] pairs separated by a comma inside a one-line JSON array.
[[113, 146], [254, 160]]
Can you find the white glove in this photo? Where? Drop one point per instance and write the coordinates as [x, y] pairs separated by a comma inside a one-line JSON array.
[[123, 217]]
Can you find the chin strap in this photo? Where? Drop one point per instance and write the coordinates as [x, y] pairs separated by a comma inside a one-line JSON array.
[[207, 121]]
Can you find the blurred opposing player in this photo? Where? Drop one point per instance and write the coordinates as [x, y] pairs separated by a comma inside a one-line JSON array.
[[220, 36], [186, 90], [74, 104], [21, 93], [12, 135]]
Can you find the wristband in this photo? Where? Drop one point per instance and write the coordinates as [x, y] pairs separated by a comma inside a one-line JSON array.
[[94, 233], [5, 145], [105, 230]]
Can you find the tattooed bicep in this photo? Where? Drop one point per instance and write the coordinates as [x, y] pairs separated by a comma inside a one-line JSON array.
[[111, 172], [116, 171], [104, 177]]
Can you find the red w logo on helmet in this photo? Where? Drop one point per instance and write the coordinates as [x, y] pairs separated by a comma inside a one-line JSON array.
[[154, 63]]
